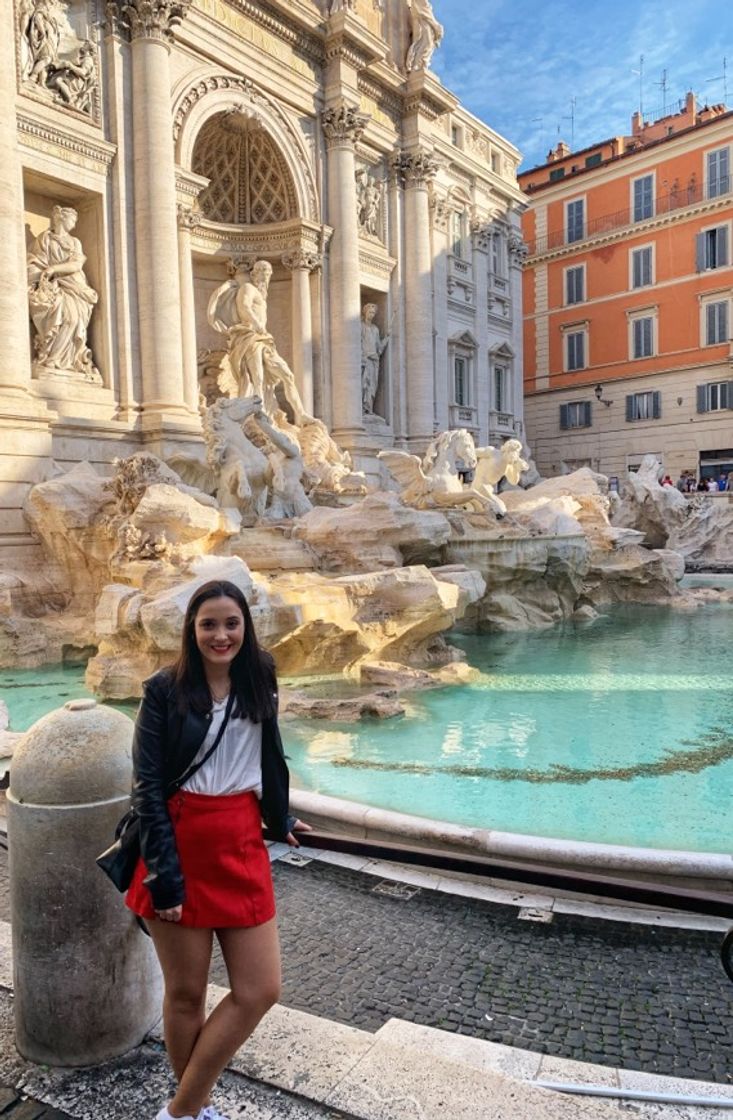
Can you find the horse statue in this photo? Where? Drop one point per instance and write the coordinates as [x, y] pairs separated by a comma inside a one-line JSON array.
[[495, 463], [435, 483], [241, 470]]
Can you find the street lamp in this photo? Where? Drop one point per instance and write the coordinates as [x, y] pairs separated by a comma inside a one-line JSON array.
[[599, 396]]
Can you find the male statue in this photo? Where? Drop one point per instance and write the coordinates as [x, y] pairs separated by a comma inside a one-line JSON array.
[[426, 34], [372, 348], [239, 310]]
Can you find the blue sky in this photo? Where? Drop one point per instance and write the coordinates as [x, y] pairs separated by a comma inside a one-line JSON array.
[[511, 61]]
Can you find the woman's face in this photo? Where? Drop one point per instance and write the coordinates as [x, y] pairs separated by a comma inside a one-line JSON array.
[[219, 631]]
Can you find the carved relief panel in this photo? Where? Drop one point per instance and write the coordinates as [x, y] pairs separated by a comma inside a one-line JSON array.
[[57, 56]]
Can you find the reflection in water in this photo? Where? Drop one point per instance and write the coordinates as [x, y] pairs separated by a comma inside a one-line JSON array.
[[326, 746]]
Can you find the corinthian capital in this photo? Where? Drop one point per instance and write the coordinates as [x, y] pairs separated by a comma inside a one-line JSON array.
[[146, 19], [344, 124], [301, 259], [188, 217], [416, 169]]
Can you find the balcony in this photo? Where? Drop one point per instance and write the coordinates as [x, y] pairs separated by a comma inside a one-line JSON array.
[[463, 416], [594, 228]]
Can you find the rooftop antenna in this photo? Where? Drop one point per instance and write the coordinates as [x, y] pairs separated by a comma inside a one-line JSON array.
[[640, 72], [571, 118], [664, 86], [724, 79]]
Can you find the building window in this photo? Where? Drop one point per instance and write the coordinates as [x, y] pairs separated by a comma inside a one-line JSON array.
[[456, 234], [643, 198], [644, 406], [642, 336], [461, 387], [495, 163], [712, 248], [557, 173], [575, 350], [575, 284], [498, 257], [641, 267], [718, 168], [716, 322], [502, 389], [576, 414], [594, 160], [575, 220], [715, 396]]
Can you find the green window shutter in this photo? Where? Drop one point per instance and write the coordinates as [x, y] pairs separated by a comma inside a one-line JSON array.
[[587, 411], [564, 423], [700, 252], [722, 246], [656, 405], [730, 394], [630, 407], [702, 398]]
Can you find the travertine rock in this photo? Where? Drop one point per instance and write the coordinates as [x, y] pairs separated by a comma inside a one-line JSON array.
[[377, 532], [382, 704], [187, 526]]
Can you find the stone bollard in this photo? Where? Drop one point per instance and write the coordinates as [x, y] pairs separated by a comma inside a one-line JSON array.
[[87, 983]]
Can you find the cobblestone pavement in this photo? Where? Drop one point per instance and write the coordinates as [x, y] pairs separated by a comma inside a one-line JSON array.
[[639, 997]]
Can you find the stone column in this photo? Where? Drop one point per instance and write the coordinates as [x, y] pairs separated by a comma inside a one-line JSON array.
[[342, 127], [440, 213], [481, 246], [396, 350], [300, 264], [417, 169], [15, 364], [150, 28], [188, 220], [518, 252]]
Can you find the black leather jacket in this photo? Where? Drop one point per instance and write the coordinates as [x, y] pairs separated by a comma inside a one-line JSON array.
[[165, 744]]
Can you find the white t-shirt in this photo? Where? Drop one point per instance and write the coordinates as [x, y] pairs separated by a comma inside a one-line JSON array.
[[236, 764]]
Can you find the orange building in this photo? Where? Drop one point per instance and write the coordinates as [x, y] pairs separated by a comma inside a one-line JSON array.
[[628, 287]]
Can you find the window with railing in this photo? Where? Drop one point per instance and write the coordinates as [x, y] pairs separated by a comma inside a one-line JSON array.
[[643, 198], [502, 389], [575, 212], [711, 249], [718, 168], [461, 384]]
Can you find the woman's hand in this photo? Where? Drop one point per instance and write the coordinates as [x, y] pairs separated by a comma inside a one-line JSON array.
[[173, 915], [298, 826]]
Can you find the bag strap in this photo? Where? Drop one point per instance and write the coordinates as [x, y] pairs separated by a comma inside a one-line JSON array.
[[178, 783]]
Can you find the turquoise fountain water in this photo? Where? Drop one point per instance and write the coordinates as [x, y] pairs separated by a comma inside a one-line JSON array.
[[620, 732]]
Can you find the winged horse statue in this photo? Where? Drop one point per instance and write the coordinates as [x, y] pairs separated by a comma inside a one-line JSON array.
[[434, 482]]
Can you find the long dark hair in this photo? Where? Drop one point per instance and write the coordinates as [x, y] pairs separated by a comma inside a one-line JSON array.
[[252, 671]]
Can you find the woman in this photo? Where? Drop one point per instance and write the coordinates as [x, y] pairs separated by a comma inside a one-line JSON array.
[[204, 867]]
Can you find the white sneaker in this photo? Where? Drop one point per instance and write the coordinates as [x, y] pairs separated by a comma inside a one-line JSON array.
[[211, 1113], [164, 1114]]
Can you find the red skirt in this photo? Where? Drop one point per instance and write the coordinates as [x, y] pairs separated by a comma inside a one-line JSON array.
[[224, 862]]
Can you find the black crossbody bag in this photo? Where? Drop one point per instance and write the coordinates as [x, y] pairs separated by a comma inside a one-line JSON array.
[[120, 860]]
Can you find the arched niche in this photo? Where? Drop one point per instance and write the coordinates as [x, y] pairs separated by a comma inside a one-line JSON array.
[[219, 96]]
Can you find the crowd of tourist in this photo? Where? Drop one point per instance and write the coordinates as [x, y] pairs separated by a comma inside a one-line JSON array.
[[687, 483]]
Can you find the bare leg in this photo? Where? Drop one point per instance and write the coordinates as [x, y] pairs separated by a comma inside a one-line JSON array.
[[252, 957], [184, 955]]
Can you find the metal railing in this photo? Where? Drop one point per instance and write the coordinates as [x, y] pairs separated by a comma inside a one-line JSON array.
[[676, 199]]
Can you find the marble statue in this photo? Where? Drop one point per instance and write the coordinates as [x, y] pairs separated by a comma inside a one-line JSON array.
[[495, 463], [253, 366], [435, 482], [61, 301], [240, 468], [43, 29], [341, 6], [287, 495], [426, 34], [328, 467], [372, 348], [368, 202]]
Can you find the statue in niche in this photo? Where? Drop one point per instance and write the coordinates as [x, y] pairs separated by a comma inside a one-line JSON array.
[[426, 34], [61, 301], [368, 202], [71, 80], [341, 6], [372, 348], [253, 367]]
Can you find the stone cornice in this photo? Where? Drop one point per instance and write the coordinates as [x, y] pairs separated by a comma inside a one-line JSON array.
[[348, 39], [376, 263], [146, 19], [343, 124], [50, 138], [423, 94], [269, 241], [416, 169]]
